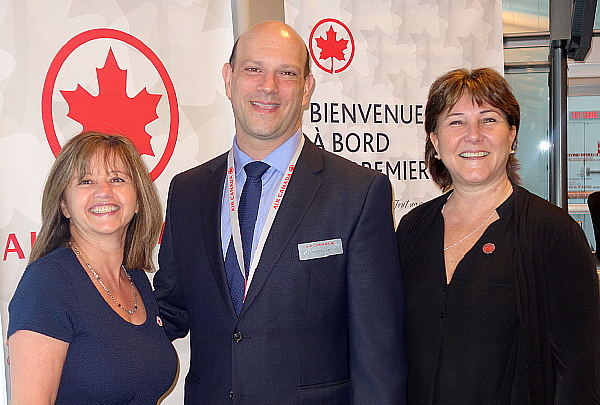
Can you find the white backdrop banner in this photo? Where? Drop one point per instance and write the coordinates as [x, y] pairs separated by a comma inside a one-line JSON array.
[[148, 69], [374, 61], [3, 383]]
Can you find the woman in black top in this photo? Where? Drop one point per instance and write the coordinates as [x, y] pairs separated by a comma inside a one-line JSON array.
[[501, 287]]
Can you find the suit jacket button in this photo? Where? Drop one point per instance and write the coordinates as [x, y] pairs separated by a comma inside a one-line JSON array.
[[231, 394], [238, 337]]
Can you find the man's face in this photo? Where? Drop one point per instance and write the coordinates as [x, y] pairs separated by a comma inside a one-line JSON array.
[[266, 86]]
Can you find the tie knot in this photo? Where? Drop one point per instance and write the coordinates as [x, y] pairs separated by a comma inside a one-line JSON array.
[[256, 169]]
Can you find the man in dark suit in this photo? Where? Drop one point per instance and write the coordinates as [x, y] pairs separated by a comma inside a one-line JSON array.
[[316, 316]]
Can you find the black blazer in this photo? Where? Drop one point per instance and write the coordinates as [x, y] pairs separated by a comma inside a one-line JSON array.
[[320, 331], [557, 301]]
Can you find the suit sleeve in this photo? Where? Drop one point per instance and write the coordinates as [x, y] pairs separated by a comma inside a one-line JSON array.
[[574, 318], [168, 292], [378, 365]]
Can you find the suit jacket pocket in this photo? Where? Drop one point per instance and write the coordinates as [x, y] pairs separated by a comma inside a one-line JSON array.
[[330, 393]]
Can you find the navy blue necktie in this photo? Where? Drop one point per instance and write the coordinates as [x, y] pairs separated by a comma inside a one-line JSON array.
[[247, 213]]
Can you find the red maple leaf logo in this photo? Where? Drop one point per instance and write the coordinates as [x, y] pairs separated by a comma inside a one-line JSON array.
[[332, 47], [112, 111]]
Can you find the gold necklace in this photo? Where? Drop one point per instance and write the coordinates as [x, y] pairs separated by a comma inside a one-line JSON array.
[[135, 305], [484, 222]]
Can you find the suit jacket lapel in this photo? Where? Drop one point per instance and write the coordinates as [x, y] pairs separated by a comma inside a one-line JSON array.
[[300, 192], [211, 191]]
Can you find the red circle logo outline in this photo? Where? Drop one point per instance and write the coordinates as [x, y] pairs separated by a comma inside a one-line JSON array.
[[488, 248], [109, 33], [312, 54]]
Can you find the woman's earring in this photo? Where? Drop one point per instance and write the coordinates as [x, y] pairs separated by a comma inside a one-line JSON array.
[[437, 156]]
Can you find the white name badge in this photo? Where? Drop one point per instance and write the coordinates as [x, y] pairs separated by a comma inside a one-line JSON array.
[[324, 248]]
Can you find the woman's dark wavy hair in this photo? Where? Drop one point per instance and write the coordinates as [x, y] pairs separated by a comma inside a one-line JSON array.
[[484, 85]]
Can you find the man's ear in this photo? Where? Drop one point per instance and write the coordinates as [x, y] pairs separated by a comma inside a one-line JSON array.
[[227, 72], [309, 84]]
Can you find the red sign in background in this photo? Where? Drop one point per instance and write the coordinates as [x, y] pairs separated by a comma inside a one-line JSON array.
[[581, 115], [108, 33], [331, 47]]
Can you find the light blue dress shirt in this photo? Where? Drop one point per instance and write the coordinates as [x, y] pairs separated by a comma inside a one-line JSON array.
[[279, 161]]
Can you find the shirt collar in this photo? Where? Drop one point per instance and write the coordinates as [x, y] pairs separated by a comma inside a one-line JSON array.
[[279, 159]]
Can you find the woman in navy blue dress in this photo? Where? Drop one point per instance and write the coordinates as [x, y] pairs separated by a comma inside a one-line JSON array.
[[84, 325]]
